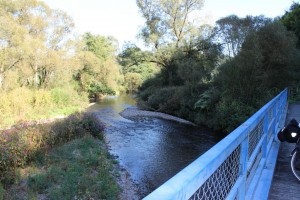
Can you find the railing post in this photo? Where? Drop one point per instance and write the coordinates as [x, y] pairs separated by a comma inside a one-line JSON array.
[[243, 168]]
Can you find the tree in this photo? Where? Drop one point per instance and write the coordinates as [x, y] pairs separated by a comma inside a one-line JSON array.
[[32, 40], [96, 64], [262, 68], [291, 20], [232, 31], [133, 81], [167, 21], [103, 47]]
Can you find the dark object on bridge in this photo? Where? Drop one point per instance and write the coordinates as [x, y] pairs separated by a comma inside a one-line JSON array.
[[290, 133]]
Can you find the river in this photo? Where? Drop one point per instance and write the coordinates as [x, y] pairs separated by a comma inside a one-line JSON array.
[[152, 150]]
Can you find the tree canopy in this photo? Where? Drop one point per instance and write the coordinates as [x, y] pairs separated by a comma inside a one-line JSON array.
[[167, 21], [291, 19], [216, 76]]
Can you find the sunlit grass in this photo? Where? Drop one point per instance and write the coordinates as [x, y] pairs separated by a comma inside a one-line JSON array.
[[24, 104], [79, 169]]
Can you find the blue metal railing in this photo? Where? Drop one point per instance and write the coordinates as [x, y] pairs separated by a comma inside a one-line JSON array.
[[232, 168]]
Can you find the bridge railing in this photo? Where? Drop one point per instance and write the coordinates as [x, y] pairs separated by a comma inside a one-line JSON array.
[[231, 169]]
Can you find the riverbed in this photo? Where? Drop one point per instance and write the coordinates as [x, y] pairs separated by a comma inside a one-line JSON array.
[[150, 148]]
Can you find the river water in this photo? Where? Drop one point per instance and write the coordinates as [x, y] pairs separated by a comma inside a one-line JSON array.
[[152, 150]]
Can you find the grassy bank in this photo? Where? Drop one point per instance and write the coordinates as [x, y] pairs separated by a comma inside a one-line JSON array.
[[24, 104], [66, 159], [78, 169]]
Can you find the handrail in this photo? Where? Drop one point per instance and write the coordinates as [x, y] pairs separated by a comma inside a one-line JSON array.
[[230, 169]]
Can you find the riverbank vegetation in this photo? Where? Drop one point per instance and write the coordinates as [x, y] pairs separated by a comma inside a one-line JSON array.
[[219, 75], [45, 68], [65, 158], [213, 75]]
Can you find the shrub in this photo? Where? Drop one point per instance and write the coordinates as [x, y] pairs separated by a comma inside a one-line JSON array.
[[25, 104], [163, 100], [20, 143], [60, 96], [96, 88], [1, 192], [41, 98]]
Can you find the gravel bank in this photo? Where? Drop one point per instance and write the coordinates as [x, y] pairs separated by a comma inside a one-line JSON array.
[[135, 112]]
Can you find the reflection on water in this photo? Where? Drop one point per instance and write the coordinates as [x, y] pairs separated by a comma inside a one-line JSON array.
[[151, 150]]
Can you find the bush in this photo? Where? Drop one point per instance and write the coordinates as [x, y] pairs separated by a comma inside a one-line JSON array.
[[165, 100], [1, 192], [19, 144], [41, 98], [96, 88], [25, 104], [230, 114], [60, 96]]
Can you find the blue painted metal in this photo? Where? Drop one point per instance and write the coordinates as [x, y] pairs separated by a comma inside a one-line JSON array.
[[253, 143]]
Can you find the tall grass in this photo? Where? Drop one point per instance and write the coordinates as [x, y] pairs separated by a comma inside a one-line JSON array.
[[65, 159], [19, 144], [76, 170], [23, 104]]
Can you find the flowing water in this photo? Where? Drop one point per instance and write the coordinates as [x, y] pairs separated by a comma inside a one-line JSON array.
[[152, 150]]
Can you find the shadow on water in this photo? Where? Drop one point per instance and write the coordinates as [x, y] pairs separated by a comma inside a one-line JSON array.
[[152, 150]]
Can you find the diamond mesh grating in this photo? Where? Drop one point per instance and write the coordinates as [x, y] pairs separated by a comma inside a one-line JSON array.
[[270, 114], [254, 137], [282, 118], [219, 184], [269, 134], [253, 167]]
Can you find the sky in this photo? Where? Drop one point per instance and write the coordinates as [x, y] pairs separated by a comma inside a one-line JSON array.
[[121, 18]]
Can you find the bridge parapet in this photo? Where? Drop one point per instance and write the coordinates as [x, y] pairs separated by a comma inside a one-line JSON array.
[[232, 168]]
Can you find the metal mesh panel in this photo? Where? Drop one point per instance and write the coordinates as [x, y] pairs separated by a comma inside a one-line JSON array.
[[270, 114], [254, 137], [277, 105], [219, 184], [270, 134], [282, 118], [252, 169]]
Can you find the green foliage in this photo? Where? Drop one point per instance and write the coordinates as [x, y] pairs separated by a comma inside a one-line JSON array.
[[291, 20], [79, 169], [233, 30], [167, 20], [164, 99], [132, 81], [103, 47], [135, 67], [98, 73], [263, 67], [97, 88], [34, 40], [1, 192], [192, 85], [61, 96], [230, 114], [19, 144], [208, 99], [27, 104]]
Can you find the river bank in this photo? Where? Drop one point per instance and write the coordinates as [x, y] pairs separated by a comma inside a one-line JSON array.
[[148, 147], [135, 112]]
